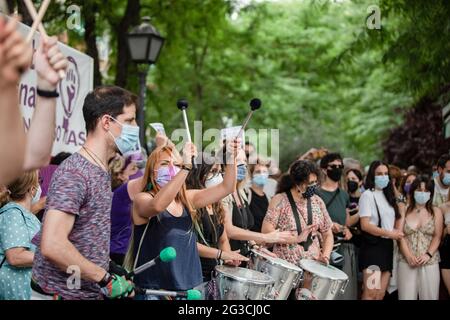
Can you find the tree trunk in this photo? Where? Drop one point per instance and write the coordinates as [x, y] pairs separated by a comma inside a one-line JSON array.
[[130, 18], [89, 9]]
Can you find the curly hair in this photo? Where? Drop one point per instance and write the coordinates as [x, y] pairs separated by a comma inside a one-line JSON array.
[[299, 173]]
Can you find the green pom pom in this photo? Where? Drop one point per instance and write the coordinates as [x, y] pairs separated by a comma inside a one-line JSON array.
[[168, 254], [194, 295]]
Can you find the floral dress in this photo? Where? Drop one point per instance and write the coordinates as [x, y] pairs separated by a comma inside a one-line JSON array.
[[282, 218]]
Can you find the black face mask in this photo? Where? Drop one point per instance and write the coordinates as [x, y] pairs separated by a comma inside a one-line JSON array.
[[334, 174], [310, 191], [352, 186]]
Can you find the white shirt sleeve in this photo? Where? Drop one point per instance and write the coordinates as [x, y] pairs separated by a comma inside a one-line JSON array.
[[366, 204]]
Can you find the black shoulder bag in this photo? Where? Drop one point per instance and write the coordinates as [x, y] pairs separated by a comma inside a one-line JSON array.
[[305, 244]]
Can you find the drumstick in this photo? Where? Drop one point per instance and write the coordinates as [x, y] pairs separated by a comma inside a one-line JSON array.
[[38, 20], [32, 11]]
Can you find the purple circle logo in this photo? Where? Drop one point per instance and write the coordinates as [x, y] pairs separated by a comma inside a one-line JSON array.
[[69, 87]]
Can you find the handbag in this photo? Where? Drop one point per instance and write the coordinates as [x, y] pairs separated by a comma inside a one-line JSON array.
[[370, 238]]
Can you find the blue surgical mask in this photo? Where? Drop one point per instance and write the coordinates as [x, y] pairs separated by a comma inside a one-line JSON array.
[[37, 195], [128, 139], [421, 197], [435, 174], [260, 179], [381, 182], [241, 172], [446, 179]]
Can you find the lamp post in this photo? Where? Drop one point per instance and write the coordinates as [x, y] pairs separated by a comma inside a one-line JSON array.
[[144, 44]]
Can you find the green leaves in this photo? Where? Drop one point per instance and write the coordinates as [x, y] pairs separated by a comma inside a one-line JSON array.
[[324, 78]]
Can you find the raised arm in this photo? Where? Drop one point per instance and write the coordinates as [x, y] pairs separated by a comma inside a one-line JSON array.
[[202, 198], [48, 62], [15, 58], [147, 206]]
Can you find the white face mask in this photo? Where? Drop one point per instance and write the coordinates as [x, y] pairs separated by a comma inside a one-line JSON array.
[[37, 195], [422, 197], [214, 181]]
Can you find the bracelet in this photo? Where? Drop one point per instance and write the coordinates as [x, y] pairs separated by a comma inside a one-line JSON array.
[[429, 254], [187, 168], [47, 94], [219, 254], [105, 280]]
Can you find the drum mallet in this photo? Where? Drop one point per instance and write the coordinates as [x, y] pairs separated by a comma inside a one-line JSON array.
[[189, 294], [183, 104], [166, 255], [255, 104]]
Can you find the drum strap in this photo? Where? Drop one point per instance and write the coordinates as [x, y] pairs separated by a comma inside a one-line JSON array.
[[308, 241]]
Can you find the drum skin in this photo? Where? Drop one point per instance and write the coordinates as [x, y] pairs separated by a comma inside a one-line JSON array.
[[236, 283]]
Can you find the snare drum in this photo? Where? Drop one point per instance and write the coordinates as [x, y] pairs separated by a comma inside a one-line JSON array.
[[286, 275], [236, 283], [327, 282]]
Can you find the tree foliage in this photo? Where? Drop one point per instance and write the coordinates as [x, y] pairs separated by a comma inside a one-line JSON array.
[[325, 79]]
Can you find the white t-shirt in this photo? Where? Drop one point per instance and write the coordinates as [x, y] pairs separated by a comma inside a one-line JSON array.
[[367, 208]]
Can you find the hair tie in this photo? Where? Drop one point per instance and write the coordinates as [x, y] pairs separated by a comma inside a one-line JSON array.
[[9, 192]]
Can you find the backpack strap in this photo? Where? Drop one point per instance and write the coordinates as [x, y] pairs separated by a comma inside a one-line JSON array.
[[333, 198]]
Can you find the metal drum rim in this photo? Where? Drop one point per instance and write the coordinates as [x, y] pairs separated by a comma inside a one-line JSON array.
[[270, 280], [333, 278], [274, 261]]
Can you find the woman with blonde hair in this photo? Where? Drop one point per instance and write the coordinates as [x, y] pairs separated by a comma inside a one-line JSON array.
[[163, 213], [17, 228]]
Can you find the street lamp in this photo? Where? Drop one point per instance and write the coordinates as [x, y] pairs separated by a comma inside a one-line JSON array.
[[144, 44]]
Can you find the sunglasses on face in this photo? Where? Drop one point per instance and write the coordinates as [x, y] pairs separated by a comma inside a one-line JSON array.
[[335, 166]]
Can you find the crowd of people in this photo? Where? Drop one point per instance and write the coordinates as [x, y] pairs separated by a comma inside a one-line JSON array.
[[75, 227]]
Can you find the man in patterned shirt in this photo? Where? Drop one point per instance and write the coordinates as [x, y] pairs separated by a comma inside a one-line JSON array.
[[72, 258]]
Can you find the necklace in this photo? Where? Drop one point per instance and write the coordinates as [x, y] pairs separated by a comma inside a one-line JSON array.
[[418, 209], [94, 156]]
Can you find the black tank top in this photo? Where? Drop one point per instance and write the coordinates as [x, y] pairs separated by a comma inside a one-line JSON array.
[[164, 230], [212, 231], [258, 208], [242, 218]]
